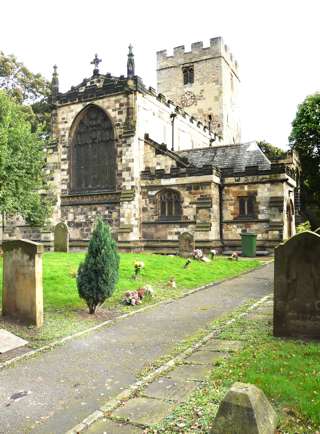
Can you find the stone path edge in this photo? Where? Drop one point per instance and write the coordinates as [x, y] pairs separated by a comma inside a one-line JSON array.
[[130, 392], [110, 322]]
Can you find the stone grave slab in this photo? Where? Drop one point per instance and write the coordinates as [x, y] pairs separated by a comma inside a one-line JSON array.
[[144, 411], [61, 238], [110, 427], [189, 372], [9, 341], [22, 281], [206, 357], [186, 244], [166, 388], [222, 345], [297, 287]]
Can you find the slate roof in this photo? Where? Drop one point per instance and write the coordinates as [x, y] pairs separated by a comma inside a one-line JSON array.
[[236, 157]]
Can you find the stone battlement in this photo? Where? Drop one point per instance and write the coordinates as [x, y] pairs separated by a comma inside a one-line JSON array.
[[217, 48]]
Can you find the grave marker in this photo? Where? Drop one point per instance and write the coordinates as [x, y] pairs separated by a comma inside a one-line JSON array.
[[61, 238], [22, 295], [297, 287], [245, 410], [186, 244]]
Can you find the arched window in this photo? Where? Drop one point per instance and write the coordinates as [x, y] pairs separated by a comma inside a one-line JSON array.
[[169, 205], [93, 156]]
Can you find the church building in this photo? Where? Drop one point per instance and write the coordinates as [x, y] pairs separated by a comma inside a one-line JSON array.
[[156, 164]]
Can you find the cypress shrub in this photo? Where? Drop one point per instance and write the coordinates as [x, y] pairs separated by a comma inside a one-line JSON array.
[[98, 274]]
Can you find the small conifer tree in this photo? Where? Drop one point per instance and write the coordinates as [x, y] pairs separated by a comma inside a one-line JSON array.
[[98, 274]]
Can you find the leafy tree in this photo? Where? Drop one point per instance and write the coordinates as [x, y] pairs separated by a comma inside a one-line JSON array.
[[272, 151], [28, 89], [98, 274], [22, 159], [305, 139]]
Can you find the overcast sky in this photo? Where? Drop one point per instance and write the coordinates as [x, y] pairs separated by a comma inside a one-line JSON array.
[[277, 45]]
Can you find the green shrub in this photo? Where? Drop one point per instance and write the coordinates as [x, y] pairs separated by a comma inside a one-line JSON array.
[[303, 227], [98, 274]]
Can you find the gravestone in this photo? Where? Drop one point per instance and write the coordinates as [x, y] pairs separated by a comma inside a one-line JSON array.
[[245, 410], [186, 244], [61, 238], [297, 287], [22, 295]]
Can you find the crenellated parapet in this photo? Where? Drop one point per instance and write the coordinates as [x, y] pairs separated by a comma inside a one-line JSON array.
[[217, 48]]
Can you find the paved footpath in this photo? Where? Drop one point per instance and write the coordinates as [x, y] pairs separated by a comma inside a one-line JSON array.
[[63, 386]]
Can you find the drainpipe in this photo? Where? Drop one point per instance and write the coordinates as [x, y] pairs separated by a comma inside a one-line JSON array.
[[221, 186], [172, 116]]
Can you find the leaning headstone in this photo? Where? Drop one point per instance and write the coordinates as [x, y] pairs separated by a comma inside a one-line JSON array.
[[61, 238], [186, 244], [22, 295], [245, 410], [297, 287]]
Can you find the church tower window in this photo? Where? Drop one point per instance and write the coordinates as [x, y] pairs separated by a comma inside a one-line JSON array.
[[188, 74], [93, 165], [169, 205]]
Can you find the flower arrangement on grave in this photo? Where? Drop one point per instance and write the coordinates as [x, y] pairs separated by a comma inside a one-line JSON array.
[[135, 297], [234, 256], [213, 254], [172, 283], [138, 266], [197, 254]]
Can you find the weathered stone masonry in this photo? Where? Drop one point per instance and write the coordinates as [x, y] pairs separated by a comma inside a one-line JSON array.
[[152, 171]]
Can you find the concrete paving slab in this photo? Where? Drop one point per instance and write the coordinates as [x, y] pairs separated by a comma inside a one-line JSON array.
[[107, 426], [206, 357], [189, 372], [9, 341], [144, 411], [222, 345], [166, 388]]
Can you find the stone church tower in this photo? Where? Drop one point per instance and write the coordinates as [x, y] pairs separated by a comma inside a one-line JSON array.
[[205, 82]]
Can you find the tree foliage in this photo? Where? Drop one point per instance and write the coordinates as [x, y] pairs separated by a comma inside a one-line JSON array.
[[22, 159], [305, 139], [272, 151], [30, 90], [98, 274]]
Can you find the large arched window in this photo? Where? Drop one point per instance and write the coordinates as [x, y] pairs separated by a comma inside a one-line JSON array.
[[169, 205], [93, 156]]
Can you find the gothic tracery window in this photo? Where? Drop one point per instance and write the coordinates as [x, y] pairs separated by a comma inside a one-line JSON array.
[[169, 204], [93, 165]]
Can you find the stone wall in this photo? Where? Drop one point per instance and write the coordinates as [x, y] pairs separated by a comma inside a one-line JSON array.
[[271, 193], [200, 211], [153, 118], [215, 88]]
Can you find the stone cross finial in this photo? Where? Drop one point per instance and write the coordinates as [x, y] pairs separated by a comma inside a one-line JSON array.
[[96, 62], [130, 63]]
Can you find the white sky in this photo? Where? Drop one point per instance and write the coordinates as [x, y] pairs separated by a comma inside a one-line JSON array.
[[275, 42]]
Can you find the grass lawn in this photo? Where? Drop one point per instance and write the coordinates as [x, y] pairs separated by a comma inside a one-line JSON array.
[[64, 309], [288, 371]]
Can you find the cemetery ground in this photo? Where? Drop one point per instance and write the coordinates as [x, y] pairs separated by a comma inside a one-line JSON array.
[[65, 313], [287, 370]]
